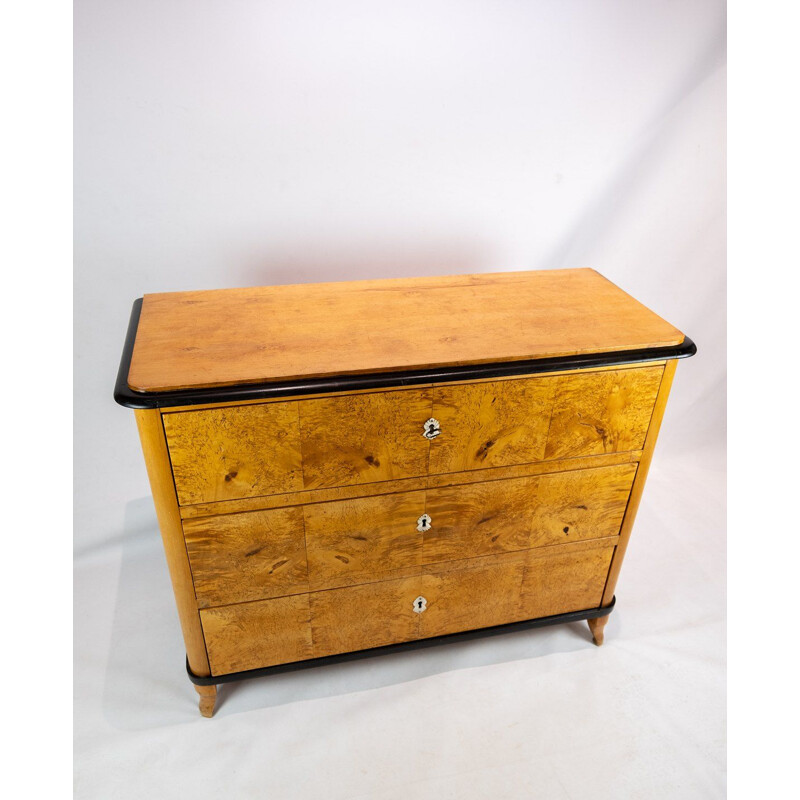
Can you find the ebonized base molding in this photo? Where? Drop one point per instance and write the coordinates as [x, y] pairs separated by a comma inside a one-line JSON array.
[[205, 686]]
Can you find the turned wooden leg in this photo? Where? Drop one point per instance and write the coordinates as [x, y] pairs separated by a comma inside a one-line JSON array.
[[596, 627], [208, 697]]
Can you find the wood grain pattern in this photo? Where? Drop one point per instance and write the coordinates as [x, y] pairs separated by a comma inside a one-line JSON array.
[[372, 437], [306, 497], [513, 586], [641, 478], [519, 556], [241, 557], [518, 514], [312, 496], [238, 336], [234, 452], [363, 540], [259, 634], [471, 598], [370, 615], [154, 447], [564, 582], [602, 412], [493, 424], [355, 392]]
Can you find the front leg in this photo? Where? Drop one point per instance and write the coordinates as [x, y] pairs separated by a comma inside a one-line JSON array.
[[208, 698], [596, 627]]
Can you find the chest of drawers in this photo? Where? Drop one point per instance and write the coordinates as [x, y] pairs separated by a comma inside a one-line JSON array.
[[347, 469]]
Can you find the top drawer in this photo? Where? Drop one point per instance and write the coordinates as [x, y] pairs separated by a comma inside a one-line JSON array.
[[272, 448]]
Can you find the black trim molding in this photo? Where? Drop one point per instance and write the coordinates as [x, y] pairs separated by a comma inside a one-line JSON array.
[[126, 396], [401, 647]]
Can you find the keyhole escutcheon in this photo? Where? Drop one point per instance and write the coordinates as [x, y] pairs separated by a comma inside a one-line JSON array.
[[431, 429], [424, 523], [420, 604]]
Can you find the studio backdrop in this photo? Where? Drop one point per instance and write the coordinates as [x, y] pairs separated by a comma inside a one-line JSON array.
[[231, 144]]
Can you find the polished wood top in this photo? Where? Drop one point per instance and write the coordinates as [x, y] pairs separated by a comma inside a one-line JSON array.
[[241, 336]]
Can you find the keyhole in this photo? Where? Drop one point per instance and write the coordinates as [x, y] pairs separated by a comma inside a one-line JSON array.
[[419, 603]]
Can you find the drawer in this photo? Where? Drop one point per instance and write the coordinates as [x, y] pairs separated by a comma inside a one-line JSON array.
[[234, 452], [252, 635], [360, 617], [363, 540], [240, 557], [513, 587], [520, 513], [459, 596], [503, 423], [364, 438]]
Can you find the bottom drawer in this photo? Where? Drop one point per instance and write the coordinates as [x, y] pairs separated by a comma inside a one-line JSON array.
[[458, 596]]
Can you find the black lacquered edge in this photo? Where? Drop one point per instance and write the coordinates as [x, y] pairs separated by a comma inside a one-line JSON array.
[[402, 647], [125, 396]]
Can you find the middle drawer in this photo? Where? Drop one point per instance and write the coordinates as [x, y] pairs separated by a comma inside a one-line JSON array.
[[260, 554]]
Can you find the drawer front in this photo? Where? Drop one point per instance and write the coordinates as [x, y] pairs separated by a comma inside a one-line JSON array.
[[602, 412], [457, 597], [509, 589], [360, 617], [235, 452], [261, 634], [493, 424], [520, 513], [364, 438], [503, 423], [363, 540], [241, 557]]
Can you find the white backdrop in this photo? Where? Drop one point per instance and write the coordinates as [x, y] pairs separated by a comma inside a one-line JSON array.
[[224, 144]]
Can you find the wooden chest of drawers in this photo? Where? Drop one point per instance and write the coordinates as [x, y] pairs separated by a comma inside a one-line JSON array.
[[343, 467]]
